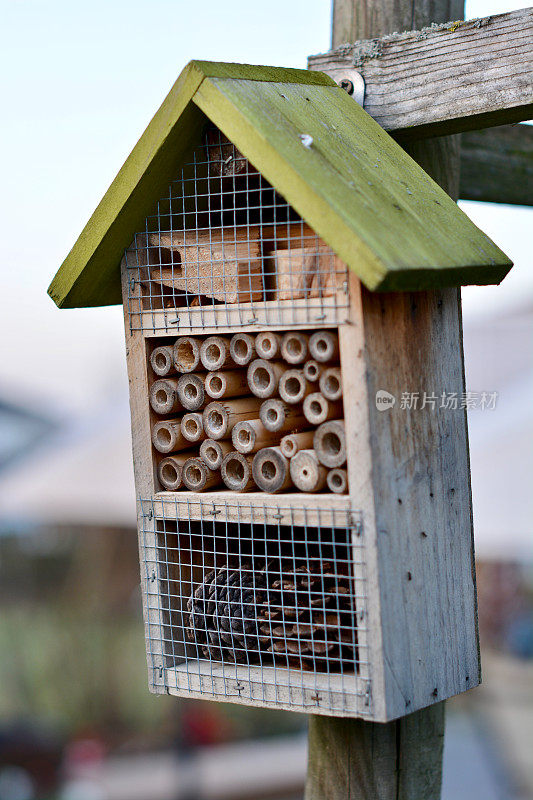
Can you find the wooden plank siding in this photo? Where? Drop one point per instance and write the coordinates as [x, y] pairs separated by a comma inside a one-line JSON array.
[[449, 78]]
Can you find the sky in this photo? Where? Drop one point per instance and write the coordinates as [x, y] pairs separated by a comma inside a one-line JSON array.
[[81, 82]]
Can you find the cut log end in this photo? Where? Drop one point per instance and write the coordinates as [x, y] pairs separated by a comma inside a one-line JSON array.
[[272, 414], [264, 376], [270, 470], [170, 471], [330, 443], [294, 442], [331, 383], [324, 346], [318, 409], [197, 477], [191, 392], [215, 353], [251, 435], [162, 362], [242, 348], [192, 427], [338, 481], [212, 452], [268, 344], [236, 472], [276, 415], [186, 354], [220, 417], [293, 386], [215, 420], [307, 473], [164, 397], [294, 347], [167, 436], [231, 383], [312, 370]]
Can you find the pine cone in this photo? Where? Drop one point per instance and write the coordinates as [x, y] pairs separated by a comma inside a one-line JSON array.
[[285, 612]]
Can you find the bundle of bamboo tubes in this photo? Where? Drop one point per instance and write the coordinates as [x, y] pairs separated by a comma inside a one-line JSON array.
[[249, 412]]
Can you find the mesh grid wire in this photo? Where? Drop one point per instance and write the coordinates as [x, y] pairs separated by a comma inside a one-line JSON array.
[[223, 248], [267, 611]]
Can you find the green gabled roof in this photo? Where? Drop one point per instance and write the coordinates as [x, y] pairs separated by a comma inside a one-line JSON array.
[[378, 210]]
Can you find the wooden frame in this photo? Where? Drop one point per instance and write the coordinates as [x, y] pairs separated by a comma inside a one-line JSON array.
[[414, 659]]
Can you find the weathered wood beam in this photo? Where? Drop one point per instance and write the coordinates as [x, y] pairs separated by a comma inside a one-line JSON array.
[[448, 78], [497, 165], [402, 760], [354, 760]]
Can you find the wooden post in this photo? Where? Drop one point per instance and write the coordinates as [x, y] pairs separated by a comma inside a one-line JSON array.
[[401, 760]]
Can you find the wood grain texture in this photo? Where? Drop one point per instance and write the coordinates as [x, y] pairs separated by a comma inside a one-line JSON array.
[[417, 477], [144, 467], [358, 760], [268, 687], [90, 274], [353, 21], [456, 77], [497, 165], [352, 179], [401, 760], [347, 185]]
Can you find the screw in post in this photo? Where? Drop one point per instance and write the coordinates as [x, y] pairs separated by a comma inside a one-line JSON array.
[[347, 85]]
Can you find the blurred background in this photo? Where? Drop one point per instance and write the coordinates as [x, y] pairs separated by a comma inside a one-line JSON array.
[[81, 81]]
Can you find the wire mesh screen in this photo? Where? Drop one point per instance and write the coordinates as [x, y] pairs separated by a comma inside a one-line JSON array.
[[224, 248], [262, 611]]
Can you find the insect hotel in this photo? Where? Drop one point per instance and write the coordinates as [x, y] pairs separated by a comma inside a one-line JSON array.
[[295, 553]]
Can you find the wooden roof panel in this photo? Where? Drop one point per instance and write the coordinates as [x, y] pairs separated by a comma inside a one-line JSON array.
[[383, 215]]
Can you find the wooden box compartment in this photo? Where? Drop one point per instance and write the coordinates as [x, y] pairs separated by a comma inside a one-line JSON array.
[[170, 452], [278, 615], [224, 249], [406, 511]]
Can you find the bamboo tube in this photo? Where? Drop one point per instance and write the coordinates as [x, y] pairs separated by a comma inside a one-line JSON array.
[[293, 386], [231, 383], [164, 396], [294, 347], [220, 417], [312, 370], [170, 471], [264, 376], [324, 346], [212, 453], [236, 472], [294, 442], [317, 409], [215, 353], [167, 436], [191, 391], [276, 415], [330, 443], [186, 354], [331, 383], [338, 480], [251, 435], [198, 477], [242, 348], [268, 345], [307, 472], [192, 427], [270, 470], [162, 362]]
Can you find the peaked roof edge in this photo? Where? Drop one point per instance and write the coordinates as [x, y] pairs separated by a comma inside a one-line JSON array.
[[89, 274], [431, 243]]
